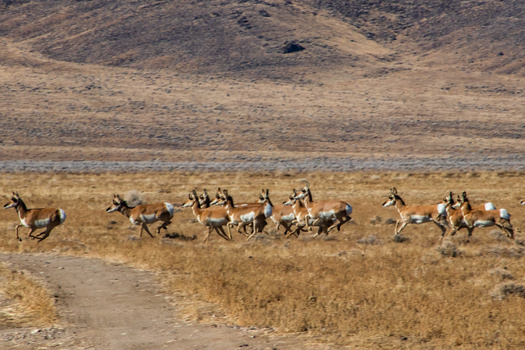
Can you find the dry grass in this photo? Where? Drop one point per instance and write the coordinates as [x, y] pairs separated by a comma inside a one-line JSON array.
[[354, 287], [24, 301]]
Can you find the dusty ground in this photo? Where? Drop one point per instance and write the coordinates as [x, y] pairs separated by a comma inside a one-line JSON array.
[[111, 306]]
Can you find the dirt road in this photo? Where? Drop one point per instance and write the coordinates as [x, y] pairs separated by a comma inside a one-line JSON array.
[[109, 306]]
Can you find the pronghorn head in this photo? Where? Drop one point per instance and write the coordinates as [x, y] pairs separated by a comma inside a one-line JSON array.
[[291, 200], [191, 199], [264, 197], [522, 202], [15, 201], [117, 204], [449, 200], [392, 198], [204, 199], [303, 193], [218, 198]]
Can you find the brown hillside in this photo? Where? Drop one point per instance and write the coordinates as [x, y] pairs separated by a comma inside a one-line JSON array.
[[209, 81]]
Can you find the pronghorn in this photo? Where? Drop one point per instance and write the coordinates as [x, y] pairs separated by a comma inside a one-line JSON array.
[[484, 206], [204, 200], [454, 216], [213, 218], [254, 214], [302, 217], [416, 214], [36, 218], [220, 199], [522, 202], [325, 210], [485, 218], [144, 214], [281, 215]]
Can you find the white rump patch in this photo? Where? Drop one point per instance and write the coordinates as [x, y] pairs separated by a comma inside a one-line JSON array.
[[348, 209], [169, 207], [442, 209], [489, 206], [62, 215], [504, 214]]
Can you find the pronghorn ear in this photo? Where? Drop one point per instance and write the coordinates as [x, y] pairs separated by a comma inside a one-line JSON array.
[[395, 190], [294, 193], [225, 192], [205, 192], [307, 185], [194, 194]]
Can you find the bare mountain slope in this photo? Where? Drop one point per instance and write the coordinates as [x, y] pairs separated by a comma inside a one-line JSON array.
[[194, 36], [208, 81]]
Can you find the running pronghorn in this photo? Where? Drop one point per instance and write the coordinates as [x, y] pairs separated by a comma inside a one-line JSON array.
[[254, 214], [485, 218], [484, 206], [416, 214], [281, 215], [303, 218], [204, 200], [144, 214], [454, 216], [333, 210], [36, 218], [213, 218], [522, 202]]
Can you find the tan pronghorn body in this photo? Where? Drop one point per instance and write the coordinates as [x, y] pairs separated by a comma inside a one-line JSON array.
[[303, 218], [325, 210], [454, 215], [214, 218], [484, 206], [485, 218], [281, 215], [416, 214], [33, 219], [144, 214], [254, 214]]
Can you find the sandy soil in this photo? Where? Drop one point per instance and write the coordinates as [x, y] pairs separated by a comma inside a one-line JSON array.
[[110, 306]]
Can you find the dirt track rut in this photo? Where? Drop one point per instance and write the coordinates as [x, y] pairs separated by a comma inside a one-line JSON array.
[[110, 306]]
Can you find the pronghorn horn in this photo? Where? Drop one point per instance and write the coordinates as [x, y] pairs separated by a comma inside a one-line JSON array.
[[394, 190], [225, 192], [267, 192], [205, 192]]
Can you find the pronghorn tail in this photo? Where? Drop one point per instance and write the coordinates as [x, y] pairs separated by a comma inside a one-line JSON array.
[[489, 206], [62, 216]]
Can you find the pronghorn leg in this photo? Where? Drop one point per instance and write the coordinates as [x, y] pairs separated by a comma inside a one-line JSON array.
[[166, 223], [30, 234], [207, 234], [443, 228], [257, 227], [509, 232], [17, 236], [286, 227], [401, 228], [223, 234], [145, 228]]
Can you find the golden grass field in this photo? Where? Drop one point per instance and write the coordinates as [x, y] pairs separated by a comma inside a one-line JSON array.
[[354, 287]]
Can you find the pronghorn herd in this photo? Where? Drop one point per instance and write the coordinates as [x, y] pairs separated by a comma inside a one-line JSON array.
[[297, 214]]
